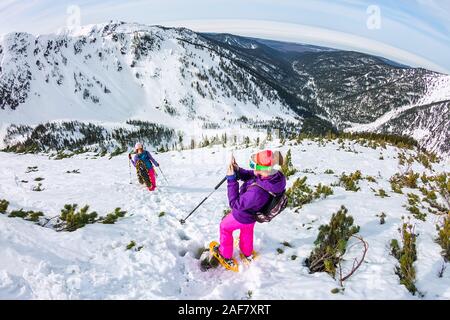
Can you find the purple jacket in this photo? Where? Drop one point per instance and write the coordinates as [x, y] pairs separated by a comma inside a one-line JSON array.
[[248, 200]]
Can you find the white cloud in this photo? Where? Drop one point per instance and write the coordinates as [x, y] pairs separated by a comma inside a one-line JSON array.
[[307, 34]]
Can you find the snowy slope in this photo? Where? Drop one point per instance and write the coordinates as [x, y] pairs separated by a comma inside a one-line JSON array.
[[92, 262]]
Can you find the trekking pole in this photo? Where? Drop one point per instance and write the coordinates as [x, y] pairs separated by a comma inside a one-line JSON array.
[[183, 221], [163, 174], [129, 168]]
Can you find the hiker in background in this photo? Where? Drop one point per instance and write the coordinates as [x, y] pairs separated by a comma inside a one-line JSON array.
[[148, 160], [246, 201]]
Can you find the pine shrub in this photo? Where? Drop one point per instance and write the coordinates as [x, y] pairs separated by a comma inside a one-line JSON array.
[[350, 182], [413, 207], [443, 238], [3, 206], [322, 191], [26, 215], [382, 217], [112, 217], [331, 243], [381, 193], [131, 245], [288, 168], [74, 219], [300, 193], [38, 187], [406, 256]]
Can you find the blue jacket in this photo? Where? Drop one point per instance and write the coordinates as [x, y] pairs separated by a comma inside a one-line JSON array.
[[147, 158]]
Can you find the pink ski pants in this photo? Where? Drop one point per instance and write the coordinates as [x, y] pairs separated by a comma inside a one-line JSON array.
[[227, 226]]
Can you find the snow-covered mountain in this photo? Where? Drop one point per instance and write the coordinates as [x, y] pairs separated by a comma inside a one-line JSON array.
[[114, 72], [109, 73], [351, 89]]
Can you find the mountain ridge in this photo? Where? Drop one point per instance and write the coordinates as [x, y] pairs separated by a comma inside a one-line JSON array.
[[173, 76]]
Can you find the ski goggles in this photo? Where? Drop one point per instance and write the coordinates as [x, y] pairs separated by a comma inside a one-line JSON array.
[[254, 166]]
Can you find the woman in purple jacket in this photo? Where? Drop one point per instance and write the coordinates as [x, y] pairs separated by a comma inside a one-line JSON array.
[[249, 199]]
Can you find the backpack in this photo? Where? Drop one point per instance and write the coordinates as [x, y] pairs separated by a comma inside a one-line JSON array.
[[142, 173], [273, 208]]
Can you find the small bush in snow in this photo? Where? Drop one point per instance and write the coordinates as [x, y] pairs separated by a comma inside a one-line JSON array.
[[444, 237], [38, 187], [381, 193], [322, 191], [414, 203], [400, 181], [331, 243], [26, 215], [300, 193], [406, 256], [131, 245], [382, 217], [350, 182], [329, 171], [3, 206], [112, 217], [32, 169], [288, 168], [73, 219]]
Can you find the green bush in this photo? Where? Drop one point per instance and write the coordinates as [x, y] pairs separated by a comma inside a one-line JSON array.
[[406, 255], [350, 182], [331, 243], [381, 193], [322, 191], [408, 180], [300, 193], [26, 215], [74, 219], [413, 206], [38, 187], [443, 238], [131, 245], [112, 217], [288, 168], [3, 206], [329, 171]]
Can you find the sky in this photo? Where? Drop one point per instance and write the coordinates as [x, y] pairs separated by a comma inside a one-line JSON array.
[[413, 32]]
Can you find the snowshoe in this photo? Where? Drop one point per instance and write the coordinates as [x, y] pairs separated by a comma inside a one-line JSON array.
[[247, 260], [142, 174], [229, 264]]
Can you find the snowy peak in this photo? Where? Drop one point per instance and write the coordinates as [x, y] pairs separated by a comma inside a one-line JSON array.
[[126, 70]]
